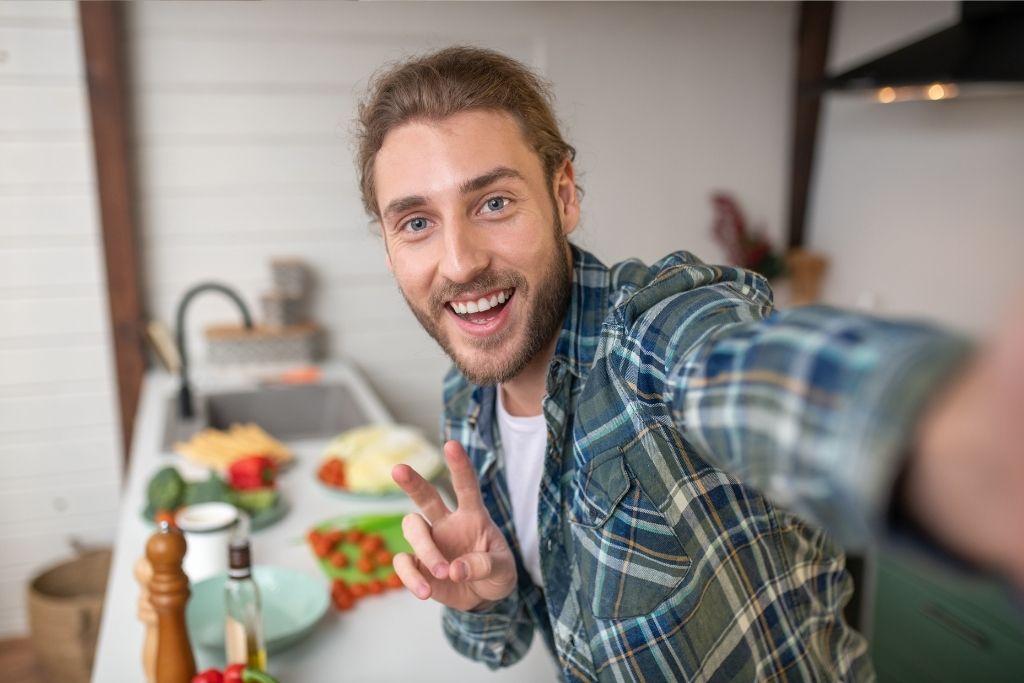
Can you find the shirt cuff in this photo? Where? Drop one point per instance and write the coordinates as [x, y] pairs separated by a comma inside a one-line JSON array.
[[487, 635], [885, 414]]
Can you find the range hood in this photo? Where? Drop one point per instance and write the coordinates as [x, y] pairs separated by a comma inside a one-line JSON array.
[[982, 54]]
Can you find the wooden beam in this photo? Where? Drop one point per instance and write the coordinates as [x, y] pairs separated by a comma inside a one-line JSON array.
[[813, 33], [103, 42]]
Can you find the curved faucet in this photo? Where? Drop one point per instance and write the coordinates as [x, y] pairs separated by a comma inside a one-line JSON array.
[[185, 406]]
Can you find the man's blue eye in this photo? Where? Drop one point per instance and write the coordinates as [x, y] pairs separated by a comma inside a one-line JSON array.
[[497, 203], [417, 224]]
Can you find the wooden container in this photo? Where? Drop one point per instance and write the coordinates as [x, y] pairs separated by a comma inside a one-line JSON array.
[[233, 344]]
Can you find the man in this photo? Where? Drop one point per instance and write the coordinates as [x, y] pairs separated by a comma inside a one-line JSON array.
[[638, 452]]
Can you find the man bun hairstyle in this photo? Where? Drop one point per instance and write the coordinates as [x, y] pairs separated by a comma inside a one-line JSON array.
[[440, 84]]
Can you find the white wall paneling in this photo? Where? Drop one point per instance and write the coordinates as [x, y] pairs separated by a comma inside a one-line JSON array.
[[59, 460]]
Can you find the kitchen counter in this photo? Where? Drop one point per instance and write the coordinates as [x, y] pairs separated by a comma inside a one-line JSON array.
[[391, 637]]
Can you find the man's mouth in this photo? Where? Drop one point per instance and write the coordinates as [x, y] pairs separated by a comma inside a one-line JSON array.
[[482, 309]]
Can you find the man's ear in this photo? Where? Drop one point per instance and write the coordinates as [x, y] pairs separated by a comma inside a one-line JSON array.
[[567, 200]]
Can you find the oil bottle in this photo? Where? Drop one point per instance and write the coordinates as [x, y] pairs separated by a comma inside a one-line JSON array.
[[243, 625]]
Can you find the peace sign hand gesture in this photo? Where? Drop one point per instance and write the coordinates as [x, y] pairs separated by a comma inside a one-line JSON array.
[[460, 557]]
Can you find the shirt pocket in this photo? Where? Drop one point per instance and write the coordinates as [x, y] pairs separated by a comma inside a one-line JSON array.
[[630, 559]]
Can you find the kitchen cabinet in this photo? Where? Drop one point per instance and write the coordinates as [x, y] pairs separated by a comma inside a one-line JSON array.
[[935, 625]]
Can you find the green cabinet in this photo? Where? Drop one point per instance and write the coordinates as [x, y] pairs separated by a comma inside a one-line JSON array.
[[933, 625]]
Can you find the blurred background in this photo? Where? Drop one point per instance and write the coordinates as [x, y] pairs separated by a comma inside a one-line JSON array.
[[224, 135]]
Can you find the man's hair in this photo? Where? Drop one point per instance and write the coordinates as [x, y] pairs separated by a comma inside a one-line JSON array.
[[435, 86]]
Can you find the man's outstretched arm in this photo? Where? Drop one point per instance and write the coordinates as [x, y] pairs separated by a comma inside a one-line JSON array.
[[823, 409]]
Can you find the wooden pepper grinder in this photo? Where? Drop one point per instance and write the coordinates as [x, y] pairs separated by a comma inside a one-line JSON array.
[[147, 615], [169, 592]]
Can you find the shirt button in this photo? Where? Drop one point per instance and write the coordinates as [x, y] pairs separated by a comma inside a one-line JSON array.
[[548, 544]]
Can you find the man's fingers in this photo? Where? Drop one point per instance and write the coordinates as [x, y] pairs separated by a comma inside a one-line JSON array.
[[422, 492], [471, 567], [405, 567], [417, 532], [467, 489]]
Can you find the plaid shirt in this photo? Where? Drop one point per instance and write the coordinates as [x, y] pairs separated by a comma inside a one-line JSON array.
[[691, 432]]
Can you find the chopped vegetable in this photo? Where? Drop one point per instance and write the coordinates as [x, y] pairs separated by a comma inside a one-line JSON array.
[[165, 516], [371, 543], [338, 559], [253, 500], [382, 558], [166, 489], [365, 565], [213, 490], [393, 581], [322, 547], [255, 676], [236, 673], [254, 472], [375, 587], [208, 676], [332, 473]]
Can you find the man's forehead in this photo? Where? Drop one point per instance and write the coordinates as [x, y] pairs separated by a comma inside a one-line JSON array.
[[424, 157]]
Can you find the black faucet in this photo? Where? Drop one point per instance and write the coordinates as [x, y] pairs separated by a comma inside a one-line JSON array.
[[185, 407]]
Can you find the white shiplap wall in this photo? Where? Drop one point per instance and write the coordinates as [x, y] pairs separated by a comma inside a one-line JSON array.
[[243, 114], [59, 451]]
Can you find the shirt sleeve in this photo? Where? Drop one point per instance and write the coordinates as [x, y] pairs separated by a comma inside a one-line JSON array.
[[813, 406], [497, 636]]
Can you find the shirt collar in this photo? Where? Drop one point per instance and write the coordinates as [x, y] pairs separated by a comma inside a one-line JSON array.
[[588, 307]]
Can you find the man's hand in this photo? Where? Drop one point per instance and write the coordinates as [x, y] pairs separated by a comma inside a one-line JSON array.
[[460, 558], [965, 483]]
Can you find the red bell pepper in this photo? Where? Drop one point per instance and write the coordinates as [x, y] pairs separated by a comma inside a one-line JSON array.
[[253, 472], [233, 674], [208, 676]]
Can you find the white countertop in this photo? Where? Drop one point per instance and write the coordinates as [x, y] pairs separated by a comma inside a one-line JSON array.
[[391, 637]]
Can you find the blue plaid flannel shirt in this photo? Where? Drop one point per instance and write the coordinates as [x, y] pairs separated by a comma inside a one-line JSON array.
[[698, 442]]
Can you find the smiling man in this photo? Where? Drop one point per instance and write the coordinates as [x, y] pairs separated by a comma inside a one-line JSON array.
[[643, 456]]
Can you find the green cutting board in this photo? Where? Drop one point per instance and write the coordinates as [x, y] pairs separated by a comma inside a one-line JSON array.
[[388, 526]]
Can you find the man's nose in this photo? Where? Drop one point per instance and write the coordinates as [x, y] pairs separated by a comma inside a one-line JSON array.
[[465, 254]]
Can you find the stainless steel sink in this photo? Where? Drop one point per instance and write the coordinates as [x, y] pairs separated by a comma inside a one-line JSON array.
[[287, 412]]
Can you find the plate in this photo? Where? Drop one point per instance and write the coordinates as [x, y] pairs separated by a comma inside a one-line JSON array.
[[361, 495], [260, 520], [292, 604]]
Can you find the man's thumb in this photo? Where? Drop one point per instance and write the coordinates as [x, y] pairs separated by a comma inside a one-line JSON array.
[[471, 567]]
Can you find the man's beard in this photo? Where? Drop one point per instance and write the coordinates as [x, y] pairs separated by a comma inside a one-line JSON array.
[[544, 314]]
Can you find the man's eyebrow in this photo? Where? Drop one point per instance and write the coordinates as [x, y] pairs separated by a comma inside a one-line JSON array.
[[404, 204], [481, 181]]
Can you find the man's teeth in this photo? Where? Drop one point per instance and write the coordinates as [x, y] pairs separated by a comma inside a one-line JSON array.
[[482, 304]]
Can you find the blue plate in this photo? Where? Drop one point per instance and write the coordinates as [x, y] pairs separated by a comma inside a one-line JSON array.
[[292, 604]]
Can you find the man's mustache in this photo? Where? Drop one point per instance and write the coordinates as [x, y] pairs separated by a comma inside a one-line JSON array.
[[487, 281]]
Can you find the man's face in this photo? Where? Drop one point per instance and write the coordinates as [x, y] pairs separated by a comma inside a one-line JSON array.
[[476, 238]]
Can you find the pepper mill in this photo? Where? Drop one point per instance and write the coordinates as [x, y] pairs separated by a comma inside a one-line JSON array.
[[168, 593], [147, 615]]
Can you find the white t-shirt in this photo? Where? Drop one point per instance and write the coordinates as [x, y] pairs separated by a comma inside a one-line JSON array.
[[524, 441]]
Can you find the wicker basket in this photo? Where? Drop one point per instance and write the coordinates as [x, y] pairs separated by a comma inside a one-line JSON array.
[[64, 607]]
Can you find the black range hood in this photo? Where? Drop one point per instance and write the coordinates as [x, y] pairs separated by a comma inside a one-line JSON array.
[[982, 53]]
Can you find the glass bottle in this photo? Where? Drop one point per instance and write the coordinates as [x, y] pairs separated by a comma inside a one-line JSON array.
[[243, 624]]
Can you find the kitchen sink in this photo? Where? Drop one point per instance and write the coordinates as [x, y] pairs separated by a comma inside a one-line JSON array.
[[287, 412]]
